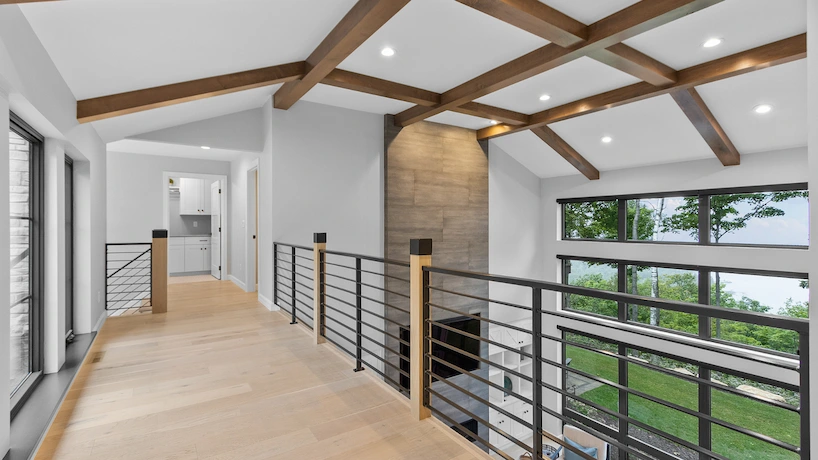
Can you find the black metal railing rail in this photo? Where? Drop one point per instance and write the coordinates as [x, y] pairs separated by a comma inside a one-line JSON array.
[[364, 317], [128, 276], [639, 399], [293, 278]]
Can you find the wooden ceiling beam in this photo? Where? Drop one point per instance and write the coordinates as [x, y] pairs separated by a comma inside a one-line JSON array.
[[623, 57], [566, 151], [363, 20], [535, 17], [780, 52], [556, 27], [100, 108], [706, 124], [624, 24], [371, 85]]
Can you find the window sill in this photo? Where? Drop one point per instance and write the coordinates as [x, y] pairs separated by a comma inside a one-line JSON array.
[[35, 415]]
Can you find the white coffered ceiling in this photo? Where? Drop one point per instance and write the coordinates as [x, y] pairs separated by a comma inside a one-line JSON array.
[[108, 46]]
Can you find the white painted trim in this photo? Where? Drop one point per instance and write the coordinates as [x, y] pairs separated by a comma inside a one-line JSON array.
[[267, 303], [236, 281], [102, 318], [249, 230], [224, 209]]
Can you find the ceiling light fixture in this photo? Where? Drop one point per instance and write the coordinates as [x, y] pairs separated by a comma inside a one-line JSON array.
[[762, 109], [204, 147], [387, 51], [712, 42], [494, 122], [545, 97], [607, 139]]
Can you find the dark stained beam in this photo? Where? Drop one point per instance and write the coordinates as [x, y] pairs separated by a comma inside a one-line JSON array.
[[620, 26], [780, 52], [706, 124], [100, 108], [558, 28], [493, 113], [566, 151], [638, 64], [535, 17], [371, 85], [363, 20]]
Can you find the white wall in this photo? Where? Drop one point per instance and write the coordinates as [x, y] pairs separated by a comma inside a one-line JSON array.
[[515, 233], [236, 131], [238, 219], [135, 187], [322, 171]]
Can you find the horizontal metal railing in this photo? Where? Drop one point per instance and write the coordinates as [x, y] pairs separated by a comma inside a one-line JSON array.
[[364, 316], [529, 432], [128, 276], [293, 277], [565, 370]]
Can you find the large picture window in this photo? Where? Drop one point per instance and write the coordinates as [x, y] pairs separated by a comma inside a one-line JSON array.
[[783, 294], [758, 216], [25, 170], [662, 396]]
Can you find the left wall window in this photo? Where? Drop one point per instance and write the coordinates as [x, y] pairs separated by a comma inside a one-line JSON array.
[[25, 218]]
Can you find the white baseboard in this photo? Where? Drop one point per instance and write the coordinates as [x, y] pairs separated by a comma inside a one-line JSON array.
[[101, 320], [237, 282], [267, 303]]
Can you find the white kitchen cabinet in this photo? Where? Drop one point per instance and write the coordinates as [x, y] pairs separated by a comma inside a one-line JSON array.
[[194, 197], [197, 257], [176, 255]]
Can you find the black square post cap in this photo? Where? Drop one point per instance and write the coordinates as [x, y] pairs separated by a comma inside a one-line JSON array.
[[420, 247], [319, 237], [160, 233]]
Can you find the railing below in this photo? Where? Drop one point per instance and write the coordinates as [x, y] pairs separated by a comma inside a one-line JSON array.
[[128, 276], [515, 374]]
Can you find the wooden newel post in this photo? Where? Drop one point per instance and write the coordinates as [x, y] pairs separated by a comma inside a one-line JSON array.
[[319, 241], [159, 271], [420, 255]]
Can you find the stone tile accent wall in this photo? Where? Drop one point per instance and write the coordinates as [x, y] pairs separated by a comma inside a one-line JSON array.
[[436, 186]]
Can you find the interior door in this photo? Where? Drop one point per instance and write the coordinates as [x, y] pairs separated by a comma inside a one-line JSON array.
[[216, 230]]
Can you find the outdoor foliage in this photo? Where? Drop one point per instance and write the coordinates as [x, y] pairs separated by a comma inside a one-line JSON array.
[[646, 221]]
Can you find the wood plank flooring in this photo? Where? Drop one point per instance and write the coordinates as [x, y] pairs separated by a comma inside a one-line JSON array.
[[220, 377]]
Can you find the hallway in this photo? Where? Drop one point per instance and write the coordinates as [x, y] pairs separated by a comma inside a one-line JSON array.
[[221, 377]]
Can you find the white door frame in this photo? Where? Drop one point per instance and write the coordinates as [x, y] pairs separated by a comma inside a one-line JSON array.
[[250, 228], [225, 190]]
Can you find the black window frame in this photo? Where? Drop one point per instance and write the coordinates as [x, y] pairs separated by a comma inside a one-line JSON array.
[[704, 271], [36, 256], [704, 213], [705, 392]]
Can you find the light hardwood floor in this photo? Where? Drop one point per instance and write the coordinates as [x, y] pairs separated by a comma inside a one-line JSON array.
[[220, 377]]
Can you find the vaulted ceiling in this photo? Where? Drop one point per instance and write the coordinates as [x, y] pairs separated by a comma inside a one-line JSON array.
[[666, 98]]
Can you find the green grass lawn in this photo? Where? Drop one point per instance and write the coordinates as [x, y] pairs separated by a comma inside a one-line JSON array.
[[759, 417]]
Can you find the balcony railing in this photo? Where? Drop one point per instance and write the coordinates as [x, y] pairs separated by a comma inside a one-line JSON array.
[[515, 374], [128, 277]]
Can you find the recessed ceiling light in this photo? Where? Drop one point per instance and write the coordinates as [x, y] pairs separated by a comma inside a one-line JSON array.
[[606, 139], [712, 42], [494, 122], [545, 97], [762, 109], [204, 147], [387, 51]]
